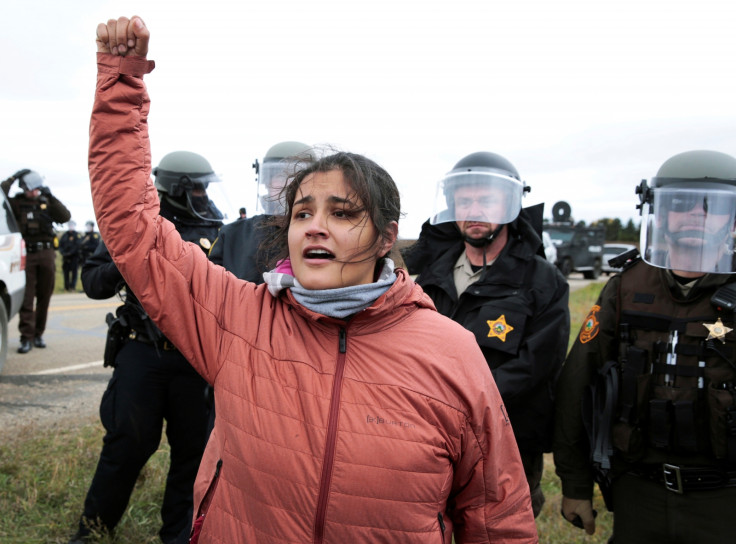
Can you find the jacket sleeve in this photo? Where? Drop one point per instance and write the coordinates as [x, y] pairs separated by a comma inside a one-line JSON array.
[[595, 344], [544, 345], [100, 277], [490, 494], [179, 288], [7, 184], [57, 211]]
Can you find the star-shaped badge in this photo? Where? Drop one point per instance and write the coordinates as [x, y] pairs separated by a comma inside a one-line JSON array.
[[499, 328], [717, 330]]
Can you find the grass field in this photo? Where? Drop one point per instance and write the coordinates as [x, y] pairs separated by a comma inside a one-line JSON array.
[[44, 478]]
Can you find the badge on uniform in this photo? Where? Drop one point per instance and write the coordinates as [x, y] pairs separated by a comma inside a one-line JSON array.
[[591, 325], [499, 328], [717, 330], [205, 243]]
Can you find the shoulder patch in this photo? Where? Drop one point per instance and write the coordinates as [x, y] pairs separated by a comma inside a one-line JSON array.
[[591, 326]]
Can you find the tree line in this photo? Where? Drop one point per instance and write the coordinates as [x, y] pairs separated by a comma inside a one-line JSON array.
[[616, 231]]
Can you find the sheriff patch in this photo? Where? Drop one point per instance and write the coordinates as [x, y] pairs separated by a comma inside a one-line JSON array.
[[591, 325], [499, 328]]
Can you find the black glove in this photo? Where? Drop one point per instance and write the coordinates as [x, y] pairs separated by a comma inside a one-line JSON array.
[[20, 173], [45, 190]]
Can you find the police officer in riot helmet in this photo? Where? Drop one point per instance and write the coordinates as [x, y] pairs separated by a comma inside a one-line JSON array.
[[152, 381], [481, 260], [36, 211], [646, 398], [182, 178], [689, 222], [239, 245], [90, 240]]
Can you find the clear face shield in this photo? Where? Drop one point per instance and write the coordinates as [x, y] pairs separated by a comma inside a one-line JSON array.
[[690, 227], [481, 196], [272, 177]]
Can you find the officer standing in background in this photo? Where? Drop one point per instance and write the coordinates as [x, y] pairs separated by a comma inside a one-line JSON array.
[[90, 241], [653, 370], [242, 214], [36, 211], [70, 247], [151, 381], [237, 247], [481, 261]]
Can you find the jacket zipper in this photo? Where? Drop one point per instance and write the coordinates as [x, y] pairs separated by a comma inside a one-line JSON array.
[[205, 504], [329, 458]]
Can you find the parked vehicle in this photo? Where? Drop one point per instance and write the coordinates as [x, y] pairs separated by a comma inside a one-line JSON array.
[[550, 251], [613, 250], [12, 272], [579, 248]]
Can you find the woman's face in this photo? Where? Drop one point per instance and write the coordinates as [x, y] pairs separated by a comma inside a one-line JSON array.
[[332, 241]]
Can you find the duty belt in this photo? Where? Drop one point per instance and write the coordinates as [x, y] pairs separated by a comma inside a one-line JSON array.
[[32, 247], [681, 479], [163, 343]]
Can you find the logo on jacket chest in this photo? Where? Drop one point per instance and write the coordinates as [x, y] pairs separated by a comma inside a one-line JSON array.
[[499, 328]]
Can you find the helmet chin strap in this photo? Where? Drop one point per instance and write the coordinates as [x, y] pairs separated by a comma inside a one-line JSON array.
[[483, 242]]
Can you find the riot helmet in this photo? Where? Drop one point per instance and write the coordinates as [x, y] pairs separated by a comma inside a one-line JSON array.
[[482, 187], [689, 213], [279, 165], [30, 181], [182, 178]]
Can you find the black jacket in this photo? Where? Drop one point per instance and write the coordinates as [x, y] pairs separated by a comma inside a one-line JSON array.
[[70, 244], [237, 247], [520, 289]]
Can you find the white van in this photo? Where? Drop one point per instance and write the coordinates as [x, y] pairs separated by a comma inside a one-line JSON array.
[[550, 251], [12, 272]]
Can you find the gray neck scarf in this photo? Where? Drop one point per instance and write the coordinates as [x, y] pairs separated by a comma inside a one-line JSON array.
[[339, 303]]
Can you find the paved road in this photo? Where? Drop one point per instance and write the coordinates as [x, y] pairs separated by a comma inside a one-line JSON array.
[[63, 381]]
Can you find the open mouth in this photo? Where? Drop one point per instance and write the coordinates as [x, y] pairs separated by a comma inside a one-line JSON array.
[[318, 254]]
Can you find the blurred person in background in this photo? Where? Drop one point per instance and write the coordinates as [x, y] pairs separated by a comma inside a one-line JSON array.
[[36, 211], [70, 247], [89, 241]]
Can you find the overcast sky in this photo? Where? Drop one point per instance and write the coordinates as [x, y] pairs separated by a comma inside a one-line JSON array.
[[584, 97]]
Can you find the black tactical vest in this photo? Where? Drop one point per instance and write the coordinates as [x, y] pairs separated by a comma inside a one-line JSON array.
[[677, 373]]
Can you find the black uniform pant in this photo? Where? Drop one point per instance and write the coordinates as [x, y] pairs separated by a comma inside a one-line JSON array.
[[145, 390], [533, 469], [40, 279], [70, 268], [647, 513]]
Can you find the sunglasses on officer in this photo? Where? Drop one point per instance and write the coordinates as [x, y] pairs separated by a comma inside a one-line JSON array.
[[710, 203]]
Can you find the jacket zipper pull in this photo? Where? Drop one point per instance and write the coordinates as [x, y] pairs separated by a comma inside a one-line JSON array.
[[442, 523], [343, 341]]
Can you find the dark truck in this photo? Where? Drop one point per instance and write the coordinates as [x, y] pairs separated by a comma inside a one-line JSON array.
[[579, 248]]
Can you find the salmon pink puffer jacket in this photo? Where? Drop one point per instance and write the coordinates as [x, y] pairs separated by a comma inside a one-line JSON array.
[[387, 427]]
